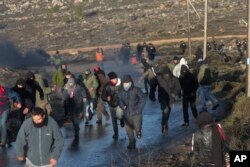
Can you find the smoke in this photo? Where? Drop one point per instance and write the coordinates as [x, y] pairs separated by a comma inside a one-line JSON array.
[[11, 56]]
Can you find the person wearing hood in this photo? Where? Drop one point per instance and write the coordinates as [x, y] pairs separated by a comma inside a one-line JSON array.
[[6, 94], [189, 85], [34, 86], [74, 97], [177, 68], [168, 89], [39, 140], [132, 101], [110, 94], [26, 98]]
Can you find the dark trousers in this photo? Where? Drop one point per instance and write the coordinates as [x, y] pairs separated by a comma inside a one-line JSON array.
[[74, 117], [115, 119], [133, 123], [146, 83], [165, 113], [186, 101], [153, 85]]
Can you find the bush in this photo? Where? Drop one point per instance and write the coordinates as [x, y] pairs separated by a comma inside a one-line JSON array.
[[78, 12], [237, 124], [53, 9]]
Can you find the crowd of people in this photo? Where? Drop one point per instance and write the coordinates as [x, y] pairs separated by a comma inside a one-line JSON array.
[[93, 92]]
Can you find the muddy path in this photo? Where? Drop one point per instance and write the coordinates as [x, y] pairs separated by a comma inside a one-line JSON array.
[[155, 42]]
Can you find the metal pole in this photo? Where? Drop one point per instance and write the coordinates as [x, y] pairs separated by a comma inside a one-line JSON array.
[[248, 49], [189, 35], [205, 32]]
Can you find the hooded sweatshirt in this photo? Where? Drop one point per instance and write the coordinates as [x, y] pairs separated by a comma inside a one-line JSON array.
[[177, 68], [73, 93], [132, 98]]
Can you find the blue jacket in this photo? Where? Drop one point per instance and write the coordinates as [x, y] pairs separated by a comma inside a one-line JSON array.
[[6, 95]]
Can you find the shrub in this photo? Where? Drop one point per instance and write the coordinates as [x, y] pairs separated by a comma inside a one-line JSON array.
[[237, 124], [53, 9], [78, 12]]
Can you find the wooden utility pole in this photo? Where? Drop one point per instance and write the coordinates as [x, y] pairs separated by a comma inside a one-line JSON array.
[[189, 35], [248, 49], [205, 32]]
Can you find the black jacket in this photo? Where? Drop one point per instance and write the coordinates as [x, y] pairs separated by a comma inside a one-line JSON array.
[[112, 91], [188, 81]]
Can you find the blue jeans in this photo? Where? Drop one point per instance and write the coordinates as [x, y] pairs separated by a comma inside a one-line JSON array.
[[3, 127], [101, 64], [206, 94]]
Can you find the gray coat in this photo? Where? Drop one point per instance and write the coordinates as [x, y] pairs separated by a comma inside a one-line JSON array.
[[134, 99], [43, 143]]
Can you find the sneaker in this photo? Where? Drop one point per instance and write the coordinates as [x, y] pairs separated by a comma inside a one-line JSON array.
[[165, 130], [138, 135], [215, 106], [185, 124], [115, 136]]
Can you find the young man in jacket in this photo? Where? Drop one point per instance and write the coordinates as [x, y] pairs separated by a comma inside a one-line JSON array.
[[132, 101], [168, 89], [189, 85], [74, 97], [102, 107], [110, 94], [6, 95], [25, 97], [43, 138]]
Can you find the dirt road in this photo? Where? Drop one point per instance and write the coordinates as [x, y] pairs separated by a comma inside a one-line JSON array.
[[74, 51]]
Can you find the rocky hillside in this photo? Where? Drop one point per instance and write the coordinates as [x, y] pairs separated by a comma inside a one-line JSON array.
[[58, 24]]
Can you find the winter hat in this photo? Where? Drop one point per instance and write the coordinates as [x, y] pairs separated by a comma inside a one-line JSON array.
[[97, 68], [112, 75], [205, 118], [175, 58], [21, 82], [30, 75], [87, 71]]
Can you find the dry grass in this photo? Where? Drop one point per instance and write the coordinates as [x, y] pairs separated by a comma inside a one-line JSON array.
[[237, 124]]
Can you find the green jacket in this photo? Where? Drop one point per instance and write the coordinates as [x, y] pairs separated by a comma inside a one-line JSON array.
[[56, 60], [43, 143], [46, 90], [58, 78], [91, 85]]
